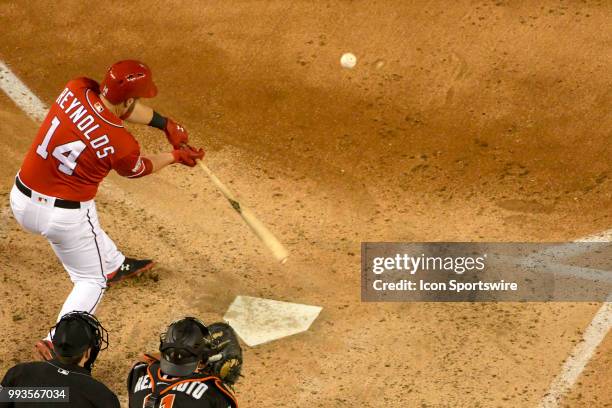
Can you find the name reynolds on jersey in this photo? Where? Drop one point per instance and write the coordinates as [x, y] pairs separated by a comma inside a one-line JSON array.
[[194, 389], [85, 122]]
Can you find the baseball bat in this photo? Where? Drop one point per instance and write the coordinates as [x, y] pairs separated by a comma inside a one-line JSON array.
[[270, 241]]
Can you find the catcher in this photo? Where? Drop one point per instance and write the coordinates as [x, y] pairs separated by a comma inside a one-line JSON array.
[[196, 367]]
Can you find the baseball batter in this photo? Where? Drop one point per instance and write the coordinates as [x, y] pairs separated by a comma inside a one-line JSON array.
[[80, 141]]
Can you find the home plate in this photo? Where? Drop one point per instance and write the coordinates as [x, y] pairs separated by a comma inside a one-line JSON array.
[[259, 321]]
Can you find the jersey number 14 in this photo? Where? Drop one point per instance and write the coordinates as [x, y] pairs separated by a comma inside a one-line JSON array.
[[67, 154]]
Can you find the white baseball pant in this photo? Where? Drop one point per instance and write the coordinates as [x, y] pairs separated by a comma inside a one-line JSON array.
[[75, 235]]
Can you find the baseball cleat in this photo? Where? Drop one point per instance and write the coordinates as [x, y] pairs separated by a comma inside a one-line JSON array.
[[44, 349], [130, 269]]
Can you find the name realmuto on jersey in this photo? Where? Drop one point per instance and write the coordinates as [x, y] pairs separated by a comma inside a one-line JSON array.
[[194, 389], [85, 122]]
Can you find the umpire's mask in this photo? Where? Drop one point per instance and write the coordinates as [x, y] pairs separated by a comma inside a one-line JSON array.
[[183, 346], [75, 333]]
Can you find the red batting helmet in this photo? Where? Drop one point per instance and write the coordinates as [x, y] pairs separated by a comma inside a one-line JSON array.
[[128, 79]]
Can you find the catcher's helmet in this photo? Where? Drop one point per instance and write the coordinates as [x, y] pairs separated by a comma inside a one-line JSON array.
[[183, 346], [75, 333], [128, 79]]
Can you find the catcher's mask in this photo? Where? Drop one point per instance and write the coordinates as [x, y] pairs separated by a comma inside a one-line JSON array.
[[183, 346], [75, 333]]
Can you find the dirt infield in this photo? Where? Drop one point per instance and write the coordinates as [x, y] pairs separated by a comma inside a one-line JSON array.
[[462, 121]]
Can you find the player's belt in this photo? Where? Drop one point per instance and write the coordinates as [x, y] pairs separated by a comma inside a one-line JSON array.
[[58, 201]]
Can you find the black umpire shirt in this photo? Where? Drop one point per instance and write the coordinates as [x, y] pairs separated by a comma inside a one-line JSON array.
[[84, 391]]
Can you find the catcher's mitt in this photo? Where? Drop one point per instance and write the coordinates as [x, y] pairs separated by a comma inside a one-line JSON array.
[[225, 361]]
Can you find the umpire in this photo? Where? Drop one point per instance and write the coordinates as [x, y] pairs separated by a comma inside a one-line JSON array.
[[77, 340]]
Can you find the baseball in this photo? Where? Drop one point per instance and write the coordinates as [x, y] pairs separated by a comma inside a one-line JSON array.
[[348, 60]]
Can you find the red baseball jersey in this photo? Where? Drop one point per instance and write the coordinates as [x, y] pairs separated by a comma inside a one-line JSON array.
[[77, 145]]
